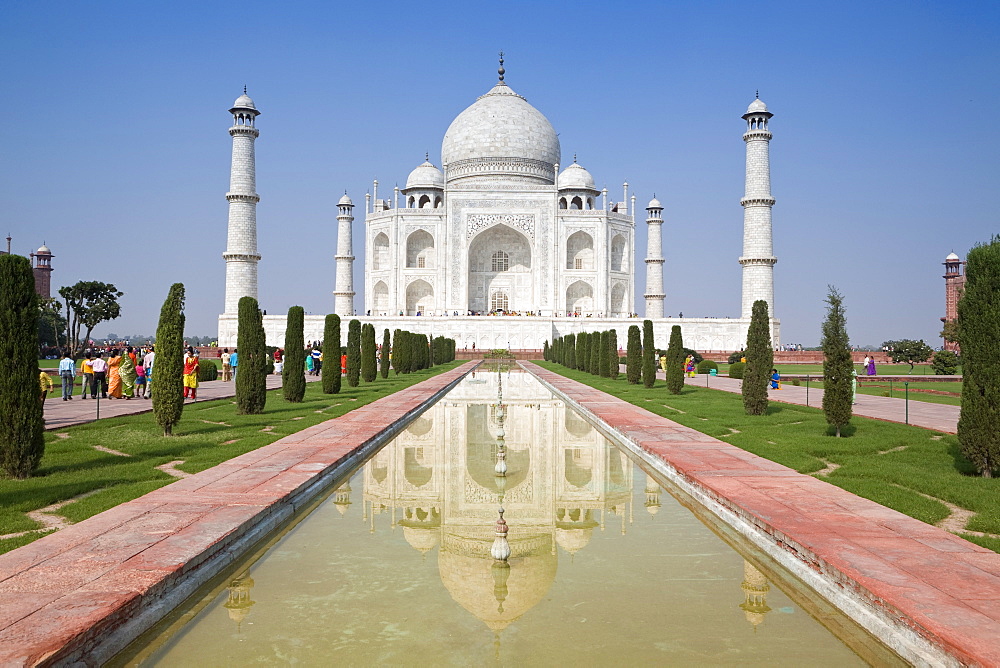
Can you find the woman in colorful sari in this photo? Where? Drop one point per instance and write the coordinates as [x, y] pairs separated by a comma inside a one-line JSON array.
[[126, 370], [191, 375], [114, 375]]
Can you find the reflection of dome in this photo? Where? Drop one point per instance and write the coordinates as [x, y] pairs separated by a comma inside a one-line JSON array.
[[425, 176], [420, 426], [470, 581], [423, 539], [576, 177], [501, 125], [574, 540]]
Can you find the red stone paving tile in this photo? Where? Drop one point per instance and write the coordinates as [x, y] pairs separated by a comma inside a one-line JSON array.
[[15, 606]]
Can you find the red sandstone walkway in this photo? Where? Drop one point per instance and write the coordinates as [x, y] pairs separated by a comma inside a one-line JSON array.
[[64, 597], [59, 413], [944, 587]]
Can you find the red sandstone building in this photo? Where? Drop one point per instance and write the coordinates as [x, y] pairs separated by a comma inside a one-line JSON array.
[[41, 266], [954, 283]]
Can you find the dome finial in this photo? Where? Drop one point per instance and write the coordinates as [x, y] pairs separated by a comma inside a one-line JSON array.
[[244, 89], [574, 158], [501, 70], [427, 156], [757, 93]]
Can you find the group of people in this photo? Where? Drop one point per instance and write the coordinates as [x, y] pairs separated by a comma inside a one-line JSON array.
[[125, 374], [869, 365]]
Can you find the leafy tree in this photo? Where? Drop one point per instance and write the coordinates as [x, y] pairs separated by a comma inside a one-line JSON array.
[[353, 352], [736, 356], [675, 361], [22, 437], [949, 331], [698, 357], [945, 363], [648, 354], [251, 379], [330, 372], [88, 303], [838, 365], [613, 363], [909, 351], [293, 371], [383, 362], [633, 356], [760, 360], [369, 365], [979, 322], [168, 390], [51, 323], [570, 350]]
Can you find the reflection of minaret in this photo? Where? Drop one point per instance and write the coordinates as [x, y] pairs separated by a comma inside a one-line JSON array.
[[755, 588], [342, 498], [239, 602], [652, 496]]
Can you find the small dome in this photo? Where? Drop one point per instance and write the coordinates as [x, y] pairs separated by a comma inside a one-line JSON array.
[[951, 256], [425, 175], [757, 106], [576, 177], [654, 204], [244, 102], [44, 250], [345, 201]]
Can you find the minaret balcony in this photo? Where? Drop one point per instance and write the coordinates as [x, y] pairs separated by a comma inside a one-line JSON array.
[[248, 130], [757, 201], [771, 261], [252, 198], [757, 134]]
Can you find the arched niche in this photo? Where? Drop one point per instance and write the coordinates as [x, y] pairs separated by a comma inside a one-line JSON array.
[[381, 298], [419, 297], [619, 305], [580, 297], [580, 251], [420, 250], [380, 252], [618, 256], [500, 261]]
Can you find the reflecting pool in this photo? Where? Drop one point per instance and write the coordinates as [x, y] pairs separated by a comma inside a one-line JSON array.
[[606, 567]]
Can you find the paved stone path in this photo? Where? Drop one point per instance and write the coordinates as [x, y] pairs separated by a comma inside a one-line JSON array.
[[916, 577], [81, 593], [59, 413]]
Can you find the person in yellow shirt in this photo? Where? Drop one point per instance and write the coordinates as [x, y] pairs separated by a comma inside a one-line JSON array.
[[45, 385], [87, 370]]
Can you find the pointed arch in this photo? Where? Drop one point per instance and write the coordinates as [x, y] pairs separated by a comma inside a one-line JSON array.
[[419, 297], [580, 251], [420, 250], [380, 251], [618, 255], [580, 297], [381, 298]]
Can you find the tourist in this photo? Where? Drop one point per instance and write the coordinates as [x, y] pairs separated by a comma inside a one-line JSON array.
[[775, 380], [871, 366], [67, 372], [87, 371], [45, 385], [126, 370], [234, 361], [309, 363], [854, 386], [114, 375], [191, 374], [663, 363], [227, 371], [100, 367], [147, 364], [317, 357], [140, 382], [865, 363]]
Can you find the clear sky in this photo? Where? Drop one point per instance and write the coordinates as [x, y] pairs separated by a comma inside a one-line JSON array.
[[885, 157]]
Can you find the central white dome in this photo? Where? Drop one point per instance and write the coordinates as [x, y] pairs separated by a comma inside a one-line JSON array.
[[501, 135]]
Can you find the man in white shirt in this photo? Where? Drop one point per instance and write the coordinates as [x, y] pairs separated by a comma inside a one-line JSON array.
[[100, 368], [67, 372], [227, 371], [147, 364]]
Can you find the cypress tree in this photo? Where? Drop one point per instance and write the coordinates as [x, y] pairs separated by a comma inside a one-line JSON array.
[[22, 427], [431, 352], [613, 364], [602, 355], [594, 356], [675, 361], [633, 356], [838, 366], [545, 350], [397, 351], [760, 360], [331, 346], [648, 354], [571, 351], [582, 352], [293, 371], [353, 352], [369, 365], [251, 379], [383, 361], [978, 324], [168, 394]]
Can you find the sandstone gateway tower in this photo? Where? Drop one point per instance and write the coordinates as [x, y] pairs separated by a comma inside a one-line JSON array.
[[501, 228]]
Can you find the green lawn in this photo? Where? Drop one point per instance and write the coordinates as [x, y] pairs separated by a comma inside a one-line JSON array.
[[896, 389], [210, 432], [881, 369], [892, 464]]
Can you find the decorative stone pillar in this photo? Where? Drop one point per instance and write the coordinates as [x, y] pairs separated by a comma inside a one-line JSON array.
[[758, 255], [344, 292], [241, 254], [654, 260]]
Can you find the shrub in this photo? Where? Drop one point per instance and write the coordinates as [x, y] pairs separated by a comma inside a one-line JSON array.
[[383, 360], [369, 364], [251, 381], [760, 359], [796, 382], [735, 357], [706, 366], [207, 371], [293, 369], [945, 363], [613, 360], [168, 397], [675, 361], [330, 373], [698, 357], [838, 365], [736, 369], [648, 354], [353, 352]]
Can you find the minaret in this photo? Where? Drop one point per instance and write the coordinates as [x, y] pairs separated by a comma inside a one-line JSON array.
[[42, 270], [241, 254], [343, 303], [758, 254], [654, 259]]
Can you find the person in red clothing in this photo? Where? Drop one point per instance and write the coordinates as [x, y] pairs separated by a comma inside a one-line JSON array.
[[191, 374]]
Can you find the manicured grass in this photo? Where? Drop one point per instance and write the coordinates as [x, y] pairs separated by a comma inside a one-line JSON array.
[[895, 389], [881, 369], [891, 464], [209, 433]]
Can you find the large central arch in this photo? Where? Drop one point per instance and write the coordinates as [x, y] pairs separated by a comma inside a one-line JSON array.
[[500, 262]]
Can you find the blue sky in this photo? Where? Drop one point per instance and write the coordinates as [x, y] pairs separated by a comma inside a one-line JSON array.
[[884, 157]]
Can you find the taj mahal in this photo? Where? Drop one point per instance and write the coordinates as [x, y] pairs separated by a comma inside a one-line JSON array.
[[502, 246]]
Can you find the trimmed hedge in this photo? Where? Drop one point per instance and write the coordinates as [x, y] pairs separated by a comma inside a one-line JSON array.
[[706, 366], [736, 370], [207, 371]]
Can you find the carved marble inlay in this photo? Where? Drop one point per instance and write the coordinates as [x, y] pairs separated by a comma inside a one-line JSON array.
[[477, 222]]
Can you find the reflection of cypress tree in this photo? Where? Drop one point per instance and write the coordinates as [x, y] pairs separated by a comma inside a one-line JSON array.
[[331, 354], [251, 379], [978, 324], [293, 371], [838, 365], [648, 354], [675, 361], [613, 354], [168, 397], [383, 361], [353, 352], [22, 428], [760, 358], [369, 369], [633, 356]]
